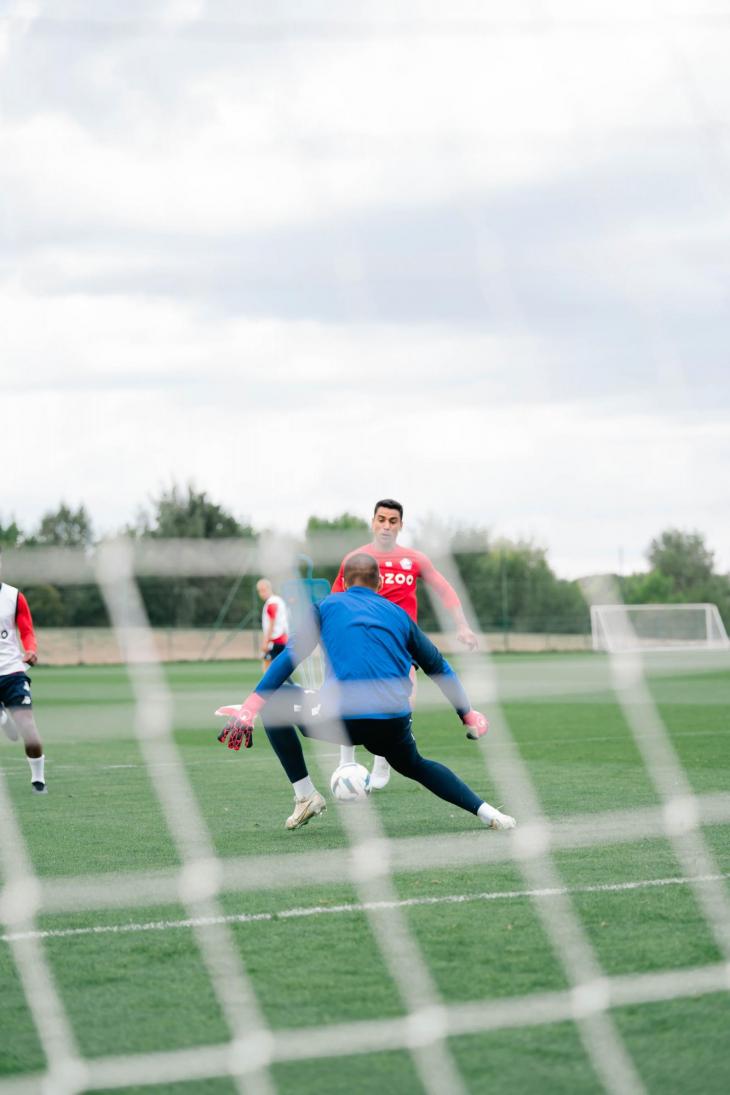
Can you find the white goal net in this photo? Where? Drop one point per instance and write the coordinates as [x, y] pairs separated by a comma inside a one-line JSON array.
[[618, 628], [372, 861]]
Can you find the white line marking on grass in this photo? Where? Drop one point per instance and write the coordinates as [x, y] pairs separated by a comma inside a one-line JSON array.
[[329, 910], [20, 769]]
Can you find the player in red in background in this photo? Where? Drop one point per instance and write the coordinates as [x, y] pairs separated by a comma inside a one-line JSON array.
[[401, 569], [274, 622], [16, 705]]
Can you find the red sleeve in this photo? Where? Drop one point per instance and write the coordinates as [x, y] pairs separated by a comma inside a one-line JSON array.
[[446, 593], [271, 611], [338, 586], [24, 624]]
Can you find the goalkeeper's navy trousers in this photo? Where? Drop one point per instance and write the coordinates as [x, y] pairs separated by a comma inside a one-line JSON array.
[[389, 738]]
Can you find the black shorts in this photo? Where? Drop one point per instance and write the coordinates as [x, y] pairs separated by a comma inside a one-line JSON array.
[[274, 651], [297, 706], [15, 690]]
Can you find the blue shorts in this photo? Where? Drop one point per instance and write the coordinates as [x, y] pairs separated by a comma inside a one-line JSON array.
[[15, 690]]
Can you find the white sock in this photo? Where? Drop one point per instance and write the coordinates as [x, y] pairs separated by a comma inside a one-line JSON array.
[[347, 754], [380, 763], [36, 769], [303, 788], [486, 813]]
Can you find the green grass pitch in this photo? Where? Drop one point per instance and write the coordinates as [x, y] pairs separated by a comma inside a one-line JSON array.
[[133, 992]]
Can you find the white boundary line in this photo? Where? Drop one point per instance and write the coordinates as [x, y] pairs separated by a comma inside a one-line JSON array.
[[302, 867], [358, 907], [18, 769]]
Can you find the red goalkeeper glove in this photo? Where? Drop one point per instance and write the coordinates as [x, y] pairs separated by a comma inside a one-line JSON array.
[[238, 732], [239, 729], [477, 723]]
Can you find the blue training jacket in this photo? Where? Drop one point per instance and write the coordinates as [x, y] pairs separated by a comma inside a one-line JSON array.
[[369, 645]]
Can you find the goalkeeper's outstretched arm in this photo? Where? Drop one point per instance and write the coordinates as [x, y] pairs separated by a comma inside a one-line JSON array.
[[239, 728], [299, 647], [432, 661]]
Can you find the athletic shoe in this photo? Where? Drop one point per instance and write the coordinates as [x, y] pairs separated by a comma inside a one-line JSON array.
[[380, 774], [39, 788], [502, 821], [304, 808]]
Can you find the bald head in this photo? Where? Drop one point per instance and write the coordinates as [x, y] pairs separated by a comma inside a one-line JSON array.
[[361, 570], [264, 588]]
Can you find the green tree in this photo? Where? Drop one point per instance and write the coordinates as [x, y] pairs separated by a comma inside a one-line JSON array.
[[683, 557], [64, 527], [71, 606], [512, 587], [334, 535], [10, 534], [346, 522], [682, 571], [652, 588], [186, 513], [46, 605]]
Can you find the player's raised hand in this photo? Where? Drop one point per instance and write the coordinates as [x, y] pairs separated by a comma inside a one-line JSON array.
[[466, 636], [477, 724]]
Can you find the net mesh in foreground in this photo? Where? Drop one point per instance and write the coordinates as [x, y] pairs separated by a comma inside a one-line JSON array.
[[370, 864]]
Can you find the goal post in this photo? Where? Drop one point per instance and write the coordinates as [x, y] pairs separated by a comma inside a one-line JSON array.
[[619, 628]]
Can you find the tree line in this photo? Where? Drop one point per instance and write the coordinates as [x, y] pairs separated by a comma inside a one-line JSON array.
[[510, 584]]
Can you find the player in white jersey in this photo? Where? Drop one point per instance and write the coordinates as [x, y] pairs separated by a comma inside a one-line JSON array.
[[18, 650], [274, 622]]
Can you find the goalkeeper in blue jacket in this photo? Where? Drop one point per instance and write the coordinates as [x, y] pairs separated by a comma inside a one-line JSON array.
[[369, 646]]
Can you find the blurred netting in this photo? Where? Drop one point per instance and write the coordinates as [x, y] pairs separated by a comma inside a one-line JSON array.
[[251, 1045], [608, 97]]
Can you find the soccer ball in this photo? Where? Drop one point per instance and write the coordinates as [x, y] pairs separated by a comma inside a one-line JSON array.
[[350, 782]]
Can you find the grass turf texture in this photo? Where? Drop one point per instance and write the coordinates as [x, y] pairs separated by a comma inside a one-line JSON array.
[[138, 992]]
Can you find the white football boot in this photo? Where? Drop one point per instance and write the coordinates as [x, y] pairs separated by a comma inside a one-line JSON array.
[[304, 809], [502, 821]]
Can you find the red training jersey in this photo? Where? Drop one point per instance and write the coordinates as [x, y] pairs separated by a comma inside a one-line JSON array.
[[401, 568]]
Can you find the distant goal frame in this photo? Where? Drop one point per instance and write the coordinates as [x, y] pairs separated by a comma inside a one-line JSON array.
[[622, 637]]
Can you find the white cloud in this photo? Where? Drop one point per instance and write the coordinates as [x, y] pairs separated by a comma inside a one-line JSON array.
[[576, 396], [587, 486]]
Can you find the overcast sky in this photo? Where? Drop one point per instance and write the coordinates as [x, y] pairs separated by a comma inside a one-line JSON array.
[[305, 254]]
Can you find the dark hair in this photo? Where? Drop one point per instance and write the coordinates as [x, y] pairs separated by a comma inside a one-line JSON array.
[[361, 570], [388, 503]]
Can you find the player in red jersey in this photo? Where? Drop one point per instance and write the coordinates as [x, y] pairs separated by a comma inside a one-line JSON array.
[[18, 651], [401, 569], [274, 623]]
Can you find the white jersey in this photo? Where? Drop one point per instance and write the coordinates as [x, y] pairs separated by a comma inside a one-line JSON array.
[[11, 653], [280, 629]]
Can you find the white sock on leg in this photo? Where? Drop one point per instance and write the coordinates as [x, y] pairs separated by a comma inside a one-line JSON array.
[[303, 788], [347, 754], [380, 774], [494, 818], [37, 768], [487, 813]]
